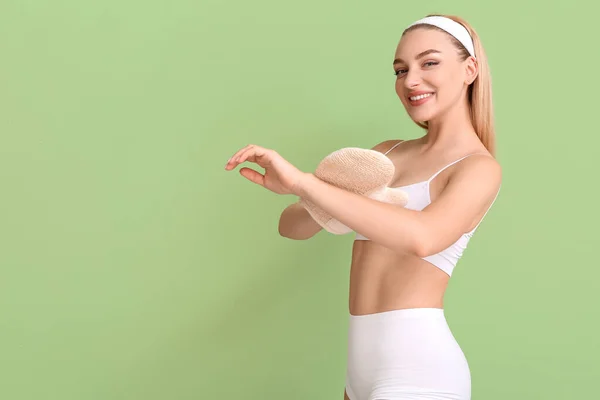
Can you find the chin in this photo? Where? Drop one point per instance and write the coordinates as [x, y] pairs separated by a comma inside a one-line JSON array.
[[421, 116]]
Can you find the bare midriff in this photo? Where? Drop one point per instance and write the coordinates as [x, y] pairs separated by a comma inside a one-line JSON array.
[[383, 280]]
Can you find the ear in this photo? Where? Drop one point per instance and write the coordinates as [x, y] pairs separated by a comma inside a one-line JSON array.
[[471, 70]]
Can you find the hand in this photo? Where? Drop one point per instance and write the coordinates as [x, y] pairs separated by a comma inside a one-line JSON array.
[[280, 176]]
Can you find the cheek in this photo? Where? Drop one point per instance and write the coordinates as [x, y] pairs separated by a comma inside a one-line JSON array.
[[399, 87], [447, 84]]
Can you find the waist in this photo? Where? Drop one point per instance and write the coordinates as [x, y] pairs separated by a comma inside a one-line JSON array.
[[400, 314], [376, 327], [382, 280]]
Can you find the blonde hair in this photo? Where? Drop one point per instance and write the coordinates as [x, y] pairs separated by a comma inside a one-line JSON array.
[[479, 93]]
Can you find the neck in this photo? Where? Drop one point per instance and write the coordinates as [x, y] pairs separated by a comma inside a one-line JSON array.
[[450, 129]]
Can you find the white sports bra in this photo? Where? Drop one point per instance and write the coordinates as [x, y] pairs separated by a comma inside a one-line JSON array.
[[418, 199]]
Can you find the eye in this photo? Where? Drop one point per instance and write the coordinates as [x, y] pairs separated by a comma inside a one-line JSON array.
[[428, 63]]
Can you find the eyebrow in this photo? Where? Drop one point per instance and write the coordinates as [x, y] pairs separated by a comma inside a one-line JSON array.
[[420, 55]]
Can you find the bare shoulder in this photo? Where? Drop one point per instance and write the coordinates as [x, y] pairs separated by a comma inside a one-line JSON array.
[[483, 162], [481, 171]]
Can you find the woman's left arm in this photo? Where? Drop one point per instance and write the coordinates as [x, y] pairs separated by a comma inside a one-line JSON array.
[[470, 190]]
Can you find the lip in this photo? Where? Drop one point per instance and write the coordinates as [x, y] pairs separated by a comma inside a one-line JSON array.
[[421, 101]]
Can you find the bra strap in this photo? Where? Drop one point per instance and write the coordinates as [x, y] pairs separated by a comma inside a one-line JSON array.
[[394, 146], [452, 163]]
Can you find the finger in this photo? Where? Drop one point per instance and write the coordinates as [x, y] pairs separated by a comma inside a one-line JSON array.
[[252, 154], [232, 162], [253, 176], [238, 158], [236, 154]]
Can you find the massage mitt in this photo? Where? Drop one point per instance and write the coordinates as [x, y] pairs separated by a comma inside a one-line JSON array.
[[361, 171]]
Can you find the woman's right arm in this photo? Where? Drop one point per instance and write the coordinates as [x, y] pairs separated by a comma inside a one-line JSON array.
[[296, 223]]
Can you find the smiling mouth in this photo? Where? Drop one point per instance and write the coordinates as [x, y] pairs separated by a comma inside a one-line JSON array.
[[420, 97]]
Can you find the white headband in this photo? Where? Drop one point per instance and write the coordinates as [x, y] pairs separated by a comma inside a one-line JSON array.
[[452, 27]]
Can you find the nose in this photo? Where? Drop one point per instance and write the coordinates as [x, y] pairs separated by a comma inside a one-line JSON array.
[[412, 79]]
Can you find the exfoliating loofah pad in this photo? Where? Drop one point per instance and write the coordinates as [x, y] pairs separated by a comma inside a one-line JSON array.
[[362, 171]]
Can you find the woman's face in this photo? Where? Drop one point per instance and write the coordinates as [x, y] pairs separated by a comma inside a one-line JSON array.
[[430, 79]]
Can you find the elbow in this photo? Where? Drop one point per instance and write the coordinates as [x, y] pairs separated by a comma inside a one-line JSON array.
[[284, 227], [421, 249], [295, 223], [294, 236], [281, 232], [420, 244], [289, 232], [281, 229], [285, 234], [424, 240]]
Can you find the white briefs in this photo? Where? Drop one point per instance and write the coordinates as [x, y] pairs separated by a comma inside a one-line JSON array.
[[407, 354]]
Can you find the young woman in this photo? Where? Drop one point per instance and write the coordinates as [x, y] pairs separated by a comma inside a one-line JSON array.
[[400, 346]]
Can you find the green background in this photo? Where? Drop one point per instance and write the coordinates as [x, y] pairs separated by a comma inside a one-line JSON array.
[[133, 266]]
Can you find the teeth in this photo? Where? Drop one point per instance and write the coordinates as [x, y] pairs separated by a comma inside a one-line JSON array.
[[419, 97]]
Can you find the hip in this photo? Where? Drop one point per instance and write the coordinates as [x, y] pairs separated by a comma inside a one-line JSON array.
[[405, 354]]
